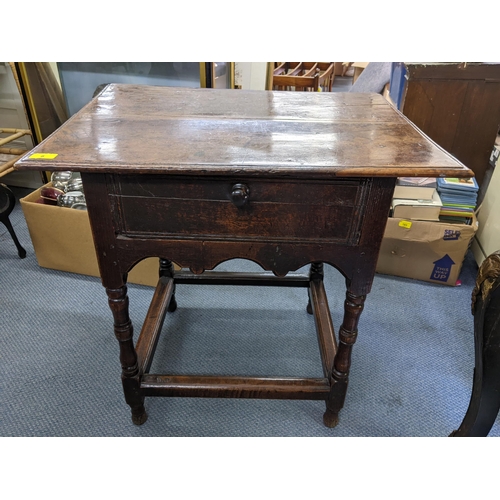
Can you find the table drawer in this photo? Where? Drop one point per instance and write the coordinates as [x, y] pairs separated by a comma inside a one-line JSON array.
[[250, 209]]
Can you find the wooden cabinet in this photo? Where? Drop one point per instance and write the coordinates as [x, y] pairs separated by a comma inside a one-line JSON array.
[[455, 104]]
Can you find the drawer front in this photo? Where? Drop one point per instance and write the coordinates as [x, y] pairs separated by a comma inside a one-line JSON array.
[[239, 208]]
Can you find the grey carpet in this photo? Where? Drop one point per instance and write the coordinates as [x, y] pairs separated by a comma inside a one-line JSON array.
[[373, 78], [411, 373]]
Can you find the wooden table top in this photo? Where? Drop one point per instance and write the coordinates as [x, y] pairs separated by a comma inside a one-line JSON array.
[[146, 129]]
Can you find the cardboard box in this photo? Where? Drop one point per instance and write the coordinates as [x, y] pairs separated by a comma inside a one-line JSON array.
[[358, 69], [427, 251], [62, 240], [385, 94], [338, 69]]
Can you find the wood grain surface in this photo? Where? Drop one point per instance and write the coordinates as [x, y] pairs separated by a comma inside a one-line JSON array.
[[147, 129]]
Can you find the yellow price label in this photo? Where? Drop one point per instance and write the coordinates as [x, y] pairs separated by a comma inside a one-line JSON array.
[[43, 156], [405, 223]]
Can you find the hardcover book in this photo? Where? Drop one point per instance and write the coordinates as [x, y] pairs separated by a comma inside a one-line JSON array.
[[417, 181], [423, 209], [414, 192]]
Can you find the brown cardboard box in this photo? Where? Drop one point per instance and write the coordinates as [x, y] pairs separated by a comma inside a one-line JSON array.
[[338, 69], [423, 250], [358, 69], [62, 240]]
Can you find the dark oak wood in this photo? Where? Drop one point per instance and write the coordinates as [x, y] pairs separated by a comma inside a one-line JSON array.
[[458, 106], [133, 129], [324, 325], [124, 332], [184, 277], [348, 333], [151, 328], [235, 387], [317, 211], [200, 176], [167, 271], [485, 398]]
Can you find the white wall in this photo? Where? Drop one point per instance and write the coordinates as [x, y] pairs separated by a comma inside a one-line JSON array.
[[53, 66], [12, 115], [250, 75]]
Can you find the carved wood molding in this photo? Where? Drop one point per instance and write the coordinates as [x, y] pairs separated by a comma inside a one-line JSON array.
[[488, 278]]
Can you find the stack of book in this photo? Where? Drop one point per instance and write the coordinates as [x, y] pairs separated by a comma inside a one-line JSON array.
[[416, 198], [424, 182], [459, 197]]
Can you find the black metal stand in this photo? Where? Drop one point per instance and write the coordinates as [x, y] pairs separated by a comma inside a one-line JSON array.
[[7, 203]]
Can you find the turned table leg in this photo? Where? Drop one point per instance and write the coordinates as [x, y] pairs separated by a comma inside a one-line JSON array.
[[167, 269], [118, 303], [348, 332], [315, 272]]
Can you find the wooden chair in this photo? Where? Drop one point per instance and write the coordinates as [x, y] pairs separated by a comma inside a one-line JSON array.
[[485, 399], [304, 76], [6, 167]]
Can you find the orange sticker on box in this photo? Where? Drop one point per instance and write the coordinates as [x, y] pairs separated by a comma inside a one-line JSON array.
[[43, 156], [405, 223]]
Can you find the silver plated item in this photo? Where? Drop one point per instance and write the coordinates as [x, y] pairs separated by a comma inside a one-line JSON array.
[[75, 184], [70, 198], [79, 206], [60, 179]]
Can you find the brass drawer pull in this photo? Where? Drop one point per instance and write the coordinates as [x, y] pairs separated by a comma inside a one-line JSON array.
[[240, 195]]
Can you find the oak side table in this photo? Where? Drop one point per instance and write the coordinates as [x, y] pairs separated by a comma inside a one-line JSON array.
[[200, 176]]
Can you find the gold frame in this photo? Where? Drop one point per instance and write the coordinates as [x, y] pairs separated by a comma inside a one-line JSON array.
[[203, 74], [231, 75], [269, 76], [23, 84], [23, 77]]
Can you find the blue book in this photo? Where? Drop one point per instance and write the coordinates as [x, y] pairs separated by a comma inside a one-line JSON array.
[[451, 183]]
